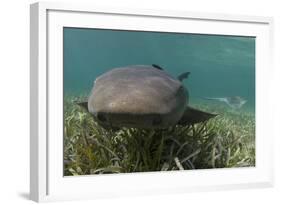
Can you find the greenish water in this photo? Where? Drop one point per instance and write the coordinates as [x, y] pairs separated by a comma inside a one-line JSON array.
[[220, 65]]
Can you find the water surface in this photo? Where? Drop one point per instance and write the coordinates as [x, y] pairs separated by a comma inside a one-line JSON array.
[[219, 65]]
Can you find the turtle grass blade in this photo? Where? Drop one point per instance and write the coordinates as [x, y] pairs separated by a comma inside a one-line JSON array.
[[224, 141], [107, 170]]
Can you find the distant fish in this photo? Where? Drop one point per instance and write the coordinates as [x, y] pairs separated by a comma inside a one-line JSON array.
[[235, 102]]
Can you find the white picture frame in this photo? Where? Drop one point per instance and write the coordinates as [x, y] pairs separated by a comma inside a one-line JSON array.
[[47, 182]]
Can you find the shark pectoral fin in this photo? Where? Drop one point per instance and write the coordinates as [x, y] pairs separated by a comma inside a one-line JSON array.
[[83, 104], [193, 116]]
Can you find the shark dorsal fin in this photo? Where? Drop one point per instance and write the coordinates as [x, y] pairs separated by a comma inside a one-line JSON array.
[[183, 76]]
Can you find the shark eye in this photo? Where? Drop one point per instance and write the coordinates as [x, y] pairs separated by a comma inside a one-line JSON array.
[[181, 88], [101, 117], [157, 120]]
